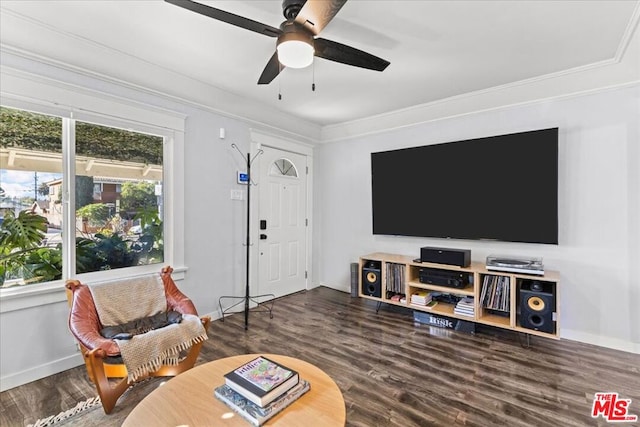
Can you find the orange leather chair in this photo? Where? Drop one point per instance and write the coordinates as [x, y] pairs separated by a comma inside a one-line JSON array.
[[102, 355]]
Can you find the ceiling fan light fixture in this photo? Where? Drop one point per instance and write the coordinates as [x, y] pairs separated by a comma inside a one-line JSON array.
[[297, 38], [295, 47], [295, 54]]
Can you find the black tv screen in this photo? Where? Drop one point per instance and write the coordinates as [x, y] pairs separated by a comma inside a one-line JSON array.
[[501, 188]]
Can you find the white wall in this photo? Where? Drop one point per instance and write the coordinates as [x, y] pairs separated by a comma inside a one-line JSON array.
[[599, 230], [599, 211], [35, 340]]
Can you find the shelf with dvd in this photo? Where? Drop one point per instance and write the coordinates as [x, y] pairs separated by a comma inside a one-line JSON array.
[[517, 301]]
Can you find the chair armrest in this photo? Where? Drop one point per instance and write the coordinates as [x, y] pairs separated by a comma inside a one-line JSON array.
[[84, 323], [176, 300]]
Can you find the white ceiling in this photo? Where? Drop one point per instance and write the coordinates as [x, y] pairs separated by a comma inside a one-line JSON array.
[[437, 49]]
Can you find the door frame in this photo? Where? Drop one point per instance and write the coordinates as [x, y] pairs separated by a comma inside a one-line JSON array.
[[258, 140]]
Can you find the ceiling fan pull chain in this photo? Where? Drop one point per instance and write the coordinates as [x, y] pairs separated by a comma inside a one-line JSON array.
[[279, 82], [313, 77]]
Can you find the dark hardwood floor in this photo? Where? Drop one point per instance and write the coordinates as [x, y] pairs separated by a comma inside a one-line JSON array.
[[392, 371]]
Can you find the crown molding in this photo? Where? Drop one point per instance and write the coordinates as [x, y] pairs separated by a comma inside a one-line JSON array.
[[153, 79], [620, 71], [627, 37], [36, 89]]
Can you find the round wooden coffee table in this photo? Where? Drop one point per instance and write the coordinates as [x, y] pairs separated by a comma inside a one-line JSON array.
[[188, 400]]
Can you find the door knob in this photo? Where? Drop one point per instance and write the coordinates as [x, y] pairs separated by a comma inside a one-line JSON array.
[[263, 237]]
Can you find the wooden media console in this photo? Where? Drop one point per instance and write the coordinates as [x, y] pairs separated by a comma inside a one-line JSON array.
[[520, 302]]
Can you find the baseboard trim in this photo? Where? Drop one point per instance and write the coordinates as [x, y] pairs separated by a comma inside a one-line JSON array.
[[42, 371], [600, 341], [337, 288], [38, 372]]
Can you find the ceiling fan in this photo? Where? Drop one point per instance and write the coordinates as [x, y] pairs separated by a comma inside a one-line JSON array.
[[297, 41]]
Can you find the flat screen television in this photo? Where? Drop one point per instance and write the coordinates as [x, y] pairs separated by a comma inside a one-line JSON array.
[[502, 188]]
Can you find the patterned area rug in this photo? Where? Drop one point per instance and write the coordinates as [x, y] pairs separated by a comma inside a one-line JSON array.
[[65, 415], [89, 413]]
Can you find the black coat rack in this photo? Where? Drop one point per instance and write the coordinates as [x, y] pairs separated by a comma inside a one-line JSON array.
[[248, 298]]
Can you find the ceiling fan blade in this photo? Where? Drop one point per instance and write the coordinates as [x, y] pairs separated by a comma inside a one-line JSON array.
[[316, 14], [229, 18], [339, 52], [271, 71]]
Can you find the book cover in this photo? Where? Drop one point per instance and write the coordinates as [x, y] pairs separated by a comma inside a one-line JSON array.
[[431, 304], [261, 380], [465, 307], [466, 301], [253, 413], [463, 313]]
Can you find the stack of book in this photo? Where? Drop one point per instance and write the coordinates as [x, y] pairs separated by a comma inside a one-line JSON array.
[[421, 298], [260, 389], [465, 307]]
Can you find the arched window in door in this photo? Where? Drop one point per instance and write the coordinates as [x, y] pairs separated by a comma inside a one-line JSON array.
[[283, 167]]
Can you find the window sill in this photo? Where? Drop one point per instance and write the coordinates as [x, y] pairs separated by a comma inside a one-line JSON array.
[[23, 297]]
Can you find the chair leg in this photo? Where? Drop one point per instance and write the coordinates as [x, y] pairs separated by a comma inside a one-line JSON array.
[[108, 394]]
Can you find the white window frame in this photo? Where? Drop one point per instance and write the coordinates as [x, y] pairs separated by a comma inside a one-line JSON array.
[[32, 93]]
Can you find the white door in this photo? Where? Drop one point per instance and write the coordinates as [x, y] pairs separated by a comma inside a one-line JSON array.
[[282, 231]]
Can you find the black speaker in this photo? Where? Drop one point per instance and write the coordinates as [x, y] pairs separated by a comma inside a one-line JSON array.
[[371, 279], [459, 257], [537, 306], [354, 279]]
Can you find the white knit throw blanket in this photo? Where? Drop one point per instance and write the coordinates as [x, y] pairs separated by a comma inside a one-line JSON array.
[[147, 352], [122, 301]]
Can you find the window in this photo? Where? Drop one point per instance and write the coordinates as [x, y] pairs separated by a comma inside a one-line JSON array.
[[30, 160], [115, 197], [97, 189], [283, 167]]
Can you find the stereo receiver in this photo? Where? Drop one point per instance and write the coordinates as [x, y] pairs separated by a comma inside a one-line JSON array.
[[450, 279]]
